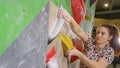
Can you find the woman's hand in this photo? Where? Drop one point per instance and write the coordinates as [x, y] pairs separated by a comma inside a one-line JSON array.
[[74, 52], [64, 14]]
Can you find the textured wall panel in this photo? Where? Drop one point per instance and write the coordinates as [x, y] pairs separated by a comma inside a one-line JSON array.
[[29, 49], [15, 15]]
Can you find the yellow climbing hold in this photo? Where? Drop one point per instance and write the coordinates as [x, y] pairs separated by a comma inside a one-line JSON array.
[[66, 42]]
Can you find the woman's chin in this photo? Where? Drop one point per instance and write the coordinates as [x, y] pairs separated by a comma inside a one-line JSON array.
[[98, 42]]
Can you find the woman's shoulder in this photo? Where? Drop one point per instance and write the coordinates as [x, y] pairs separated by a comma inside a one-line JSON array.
[[109, 49], [108, 54]]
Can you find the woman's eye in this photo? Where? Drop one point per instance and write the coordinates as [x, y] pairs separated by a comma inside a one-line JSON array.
[[103, 33], [97, 32]]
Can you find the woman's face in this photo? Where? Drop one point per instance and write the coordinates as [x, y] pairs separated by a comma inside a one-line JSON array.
[[102, 35]]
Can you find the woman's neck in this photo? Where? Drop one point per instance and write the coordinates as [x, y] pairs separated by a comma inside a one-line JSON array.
[[100, 45]]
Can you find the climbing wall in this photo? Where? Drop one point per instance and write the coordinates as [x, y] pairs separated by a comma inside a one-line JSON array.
[[24, 32], [29, 49], [15, 15]]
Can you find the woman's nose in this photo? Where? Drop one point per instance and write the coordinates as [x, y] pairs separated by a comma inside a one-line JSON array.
[[98, 34]]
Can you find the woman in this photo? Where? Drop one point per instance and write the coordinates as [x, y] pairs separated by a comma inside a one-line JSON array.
[[98, 53]]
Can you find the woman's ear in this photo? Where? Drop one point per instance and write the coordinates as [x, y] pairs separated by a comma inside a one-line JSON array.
[[110, 37]]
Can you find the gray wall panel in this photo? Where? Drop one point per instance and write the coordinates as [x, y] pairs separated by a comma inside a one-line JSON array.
[[29, 49]]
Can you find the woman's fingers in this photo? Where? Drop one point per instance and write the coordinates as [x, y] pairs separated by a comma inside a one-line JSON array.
[[74, 52], [70, 52], [64, 14]]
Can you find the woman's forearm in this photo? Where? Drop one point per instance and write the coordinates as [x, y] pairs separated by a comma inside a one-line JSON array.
[[78, 31], [75, 27], [90, 63]]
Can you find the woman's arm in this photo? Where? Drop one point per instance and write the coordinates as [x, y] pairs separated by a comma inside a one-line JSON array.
[[78, 31], [74, 26], [101, 63]]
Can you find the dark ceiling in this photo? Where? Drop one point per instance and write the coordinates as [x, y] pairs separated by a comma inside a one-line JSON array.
[[111, 12]]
